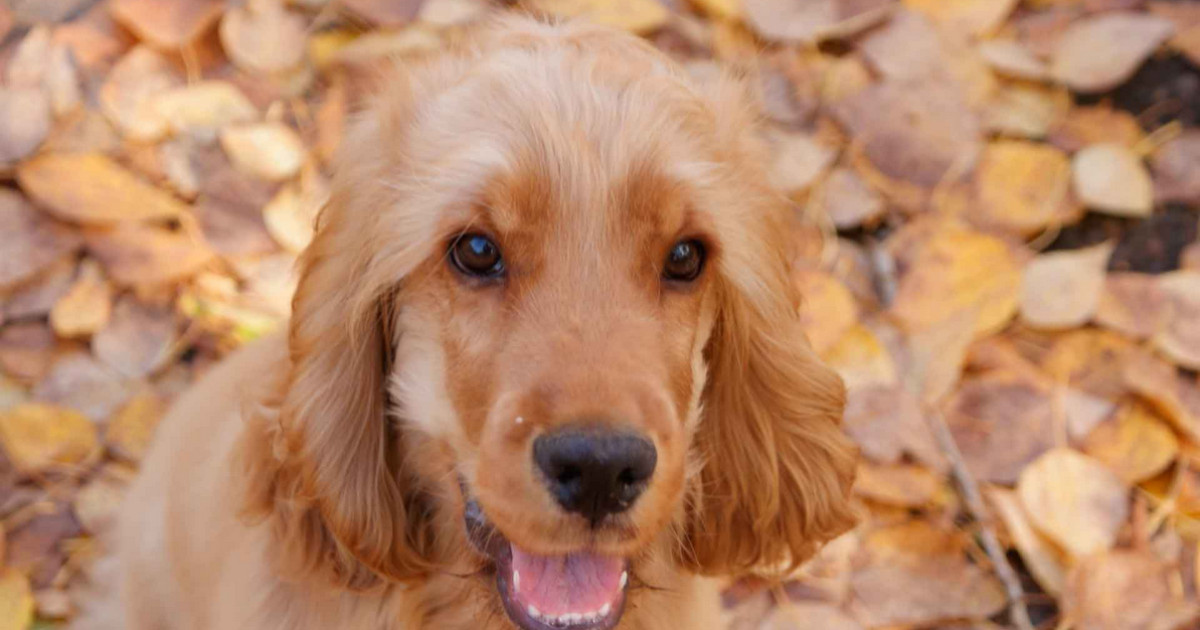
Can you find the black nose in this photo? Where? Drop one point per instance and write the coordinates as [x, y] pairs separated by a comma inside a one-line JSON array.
[[594, 472]]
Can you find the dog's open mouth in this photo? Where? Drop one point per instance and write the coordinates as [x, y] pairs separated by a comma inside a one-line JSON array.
[[576, 591]]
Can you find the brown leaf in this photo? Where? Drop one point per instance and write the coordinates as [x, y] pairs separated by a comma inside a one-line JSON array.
[[91, 188], [1001, 423], [79, 382], [1136, 444], [36, 546], [86, 307], [135, 254], [935, 355], [1022, 186], [16, 601], [914, 574], [27, 350], [264, 37], [1062, 289], [1084, 126], [42, 438], [1123, 590], [887, 423], [1133, 304], [828, 310], [167, 24], [1046, 562], [1176, 167], [848, 200], [813, 20], [1074, 500], [1091, 361], [270, 151], [127, 96], [138, 339], [902, 485], [1026, 110], [1179, 339], [29, 242], [83, 131], [1109, 178], [130, 431], [1010, 58], [34, 298], [1100, 52], [24, 122]]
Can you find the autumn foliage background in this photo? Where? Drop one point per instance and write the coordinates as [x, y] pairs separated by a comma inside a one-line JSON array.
[[999, 203]]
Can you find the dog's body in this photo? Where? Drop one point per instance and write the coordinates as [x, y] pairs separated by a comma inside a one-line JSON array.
[[544, 371]]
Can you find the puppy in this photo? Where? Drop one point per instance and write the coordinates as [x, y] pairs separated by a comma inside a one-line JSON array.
[[544, 371]]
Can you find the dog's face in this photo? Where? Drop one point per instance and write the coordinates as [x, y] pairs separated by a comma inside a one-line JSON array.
[[548, 313]]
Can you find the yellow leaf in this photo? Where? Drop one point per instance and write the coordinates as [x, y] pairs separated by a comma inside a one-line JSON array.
[[40, 438], [1022, 186], [1179, 338], [827, 309], [1045, 561], [1074, 500], [1136, 444], [637, 16], [1062, 289], [131, 429], [270, 151], [1110, 178], [86, 306], [16, 601], [91, 188], [902, 485]]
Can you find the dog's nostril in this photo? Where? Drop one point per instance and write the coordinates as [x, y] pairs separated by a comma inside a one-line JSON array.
[[594, 472]]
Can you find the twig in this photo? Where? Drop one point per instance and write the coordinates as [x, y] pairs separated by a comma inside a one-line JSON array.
[[969, 490]]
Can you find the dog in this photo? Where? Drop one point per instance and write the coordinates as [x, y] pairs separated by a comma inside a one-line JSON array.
[[544, 370]]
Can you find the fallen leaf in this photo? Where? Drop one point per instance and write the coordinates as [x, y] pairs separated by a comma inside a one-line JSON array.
[[1084, 126], [1090, 361], [915, 574], [1179, 338], [848, 200], [95, 505], [1186, 18], [91, 188], [264, 37], [62, 81], [955, 270], [1135, 444], [935, 355], [52, 603], [292, 214], [79, 382], [27, 67], [16, 601], [131, 429], [799, 160], [29, 241], [27, 350], [637, 16], [827, 311], [203, 109], [1125, 589], [1074, 500], [1133, 304], [34, 298], [902, 485], [138, 339], [1022, 186], [128, 95], [1176, 166], [1062, 289], [271, 151], [1012, 59], [443, 13], [386, 13], [86, 306], [167, 24], [24, 122], [1109, 178], [135, 254], [41, 438], [83, 131], [1098, 53], [1001, 422], [813, 20], [807, 614], [1083, 412], [44, 11], [966, 17], [861, 359], [1045, 561], [887, 423], [1024, 110]]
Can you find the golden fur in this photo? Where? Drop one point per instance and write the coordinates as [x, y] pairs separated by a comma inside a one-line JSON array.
[[313, 481]]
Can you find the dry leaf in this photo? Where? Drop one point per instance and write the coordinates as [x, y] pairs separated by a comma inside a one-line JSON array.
[[291, 216], [1177, 169], [1045, 561], [204, 108], [24, 122], [387, 13], [1062, 289], [805, 614], [1179, 338], [848, 200], [1124, 590], [167, 24], [83, 131], [914, 574], [637, 16], [42, 438], [79, 382], [52, 603], [135, 254], [812, 20], [27, 350], [966, 17], [16, 601], [1074, 500], [861, 359], [95, 505], [91, 188], [799, 160], [1022, 186], [62, 81], [138, 339], [27, 67], [443, 13], [264, 37], [1098, 53], [131, 430], [1084, 126], [128, 95], [1010, 58], [1091, 361], [887, 423], [1083, 412], [29, 241], [935, 355], [271, 151], [1109, 178], [1026, 110], [86, 306], [901, 485], [1136, 444], [827, 311], [1001, 422], [1133, 304]]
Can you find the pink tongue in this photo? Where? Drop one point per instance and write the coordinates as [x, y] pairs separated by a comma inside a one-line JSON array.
[[574, 583]]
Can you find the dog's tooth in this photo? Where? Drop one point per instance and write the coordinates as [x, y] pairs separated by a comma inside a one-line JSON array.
[[624, 579], [572, 618], [604, 610], [516, 580], [534, 612]]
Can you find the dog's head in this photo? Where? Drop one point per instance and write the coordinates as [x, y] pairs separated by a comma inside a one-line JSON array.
[[548, 310]]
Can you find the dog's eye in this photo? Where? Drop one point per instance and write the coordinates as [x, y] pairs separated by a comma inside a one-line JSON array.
[[685, 261], [477, 255]]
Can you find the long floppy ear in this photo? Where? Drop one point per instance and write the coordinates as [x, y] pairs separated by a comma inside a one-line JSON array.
[[324, 464], [777, 470]]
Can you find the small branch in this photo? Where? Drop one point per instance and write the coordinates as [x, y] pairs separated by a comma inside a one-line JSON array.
[[969, 490]]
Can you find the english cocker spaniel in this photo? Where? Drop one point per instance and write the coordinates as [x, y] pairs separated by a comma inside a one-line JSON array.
[[544, 371]]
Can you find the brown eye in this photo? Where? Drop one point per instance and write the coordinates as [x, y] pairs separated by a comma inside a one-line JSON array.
[[477, 255], [684, 262]]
